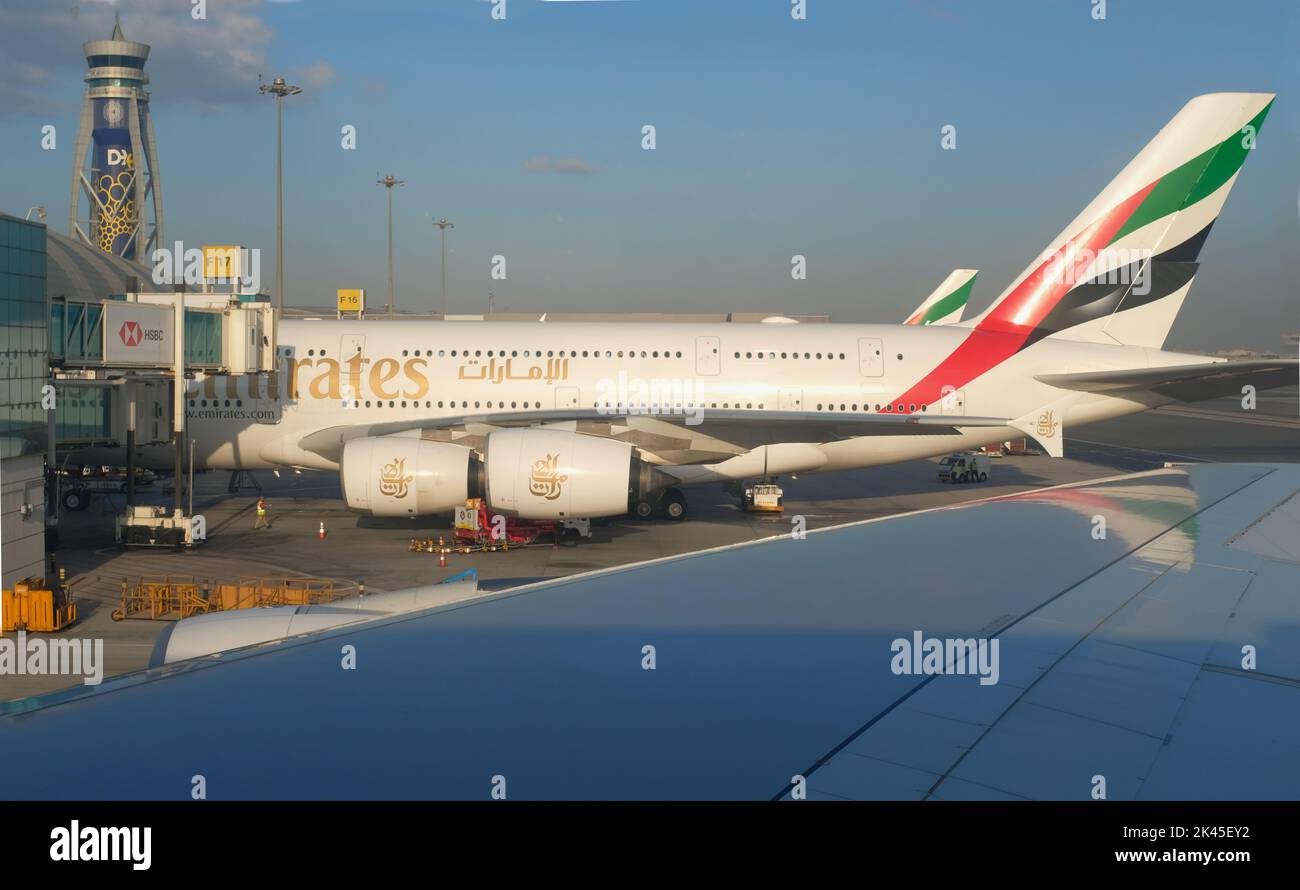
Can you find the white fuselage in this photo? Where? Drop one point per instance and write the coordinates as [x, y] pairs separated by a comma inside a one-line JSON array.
[[349, 373]]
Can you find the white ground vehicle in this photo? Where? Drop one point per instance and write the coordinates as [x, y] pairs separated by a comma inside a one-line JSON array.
[[965, 468], [153, 526], [764, 497]]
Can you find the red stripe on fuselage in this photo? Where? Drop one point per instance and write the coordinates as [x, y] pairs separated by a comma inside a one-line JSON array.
[[1003, 332]]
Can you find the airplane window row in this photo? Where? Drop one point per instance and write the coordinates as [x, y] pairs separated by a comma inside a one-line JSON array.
[[593, 353], [529, 353], [843, 406], [771, 355], [239, 403], [550, 353], [885, 409], [678, 406], [394, 404]]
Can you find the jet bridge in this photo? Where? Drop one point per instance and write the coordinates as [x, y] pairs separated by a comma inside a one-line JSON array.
[[117, 363], [107, 354], [221, 333]]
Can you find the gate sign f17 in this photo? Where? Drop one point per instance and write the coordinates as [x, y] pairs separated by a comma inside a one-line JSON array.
[[136, 334]]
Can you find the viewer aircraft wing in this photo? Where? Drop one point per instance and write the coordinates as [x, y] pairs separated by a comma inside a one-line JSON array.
[[1159, 660]]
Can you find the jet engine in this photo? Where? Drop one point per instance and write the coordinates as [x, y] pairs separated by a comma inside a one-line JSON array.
[[554, 474], [405, 476]]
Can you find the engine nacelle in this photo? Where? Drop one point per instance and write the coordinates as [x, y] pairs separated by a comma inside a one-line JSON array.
[[553, 474], [405, 476]]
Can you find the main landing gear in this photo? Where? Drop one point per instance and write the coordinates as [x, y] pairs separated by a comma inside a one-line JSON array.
[[669, 503]]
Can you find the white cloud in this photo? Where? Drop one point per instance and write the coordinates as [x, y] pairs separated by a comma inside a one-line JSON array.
[[548, 164], [317, 76], [212, 61]]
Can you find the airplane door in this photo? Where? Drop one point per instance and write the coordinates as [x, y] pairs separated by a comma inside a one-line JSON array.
[[566, 397], [350, 345], [953, 402], [871, 356], [708, 355], [791, 398]]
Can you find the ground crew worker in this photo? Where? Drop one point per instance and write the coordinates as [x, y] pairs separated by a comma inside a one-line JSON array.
[[261, 515]]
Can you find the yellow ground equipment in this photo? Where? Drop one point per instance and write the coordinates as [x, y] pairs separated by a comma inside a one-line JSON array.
[[429, 545], [764, 497], [34, 605], [479, 530], [171, 598], [249, 593], [166, 598]]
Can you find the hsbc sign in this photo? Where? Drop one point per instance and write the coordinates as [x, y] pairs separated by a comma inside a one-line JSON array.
[[132, 334], [136, 334]]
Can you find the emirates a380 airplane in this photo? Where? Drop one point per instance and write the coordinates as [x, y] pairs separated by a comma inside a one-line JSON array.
[[568, 420]]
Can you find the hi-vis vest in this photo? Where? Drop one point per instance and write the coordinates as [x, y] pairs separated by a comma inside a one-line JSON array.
[[261, 509]]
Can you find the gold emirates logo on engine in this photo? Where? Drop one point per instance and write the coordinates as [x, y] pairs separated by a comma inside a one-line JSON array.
[[1047, 424], [546, 480], [393, 479]]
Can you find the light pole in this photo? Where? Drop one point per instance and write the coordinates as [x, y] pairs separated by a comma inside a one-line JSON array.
[[279, 89], [444, 225], [388, 182]]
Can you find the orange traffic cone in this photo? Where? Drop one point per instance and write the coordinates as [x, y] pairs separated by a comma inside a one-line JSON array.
[[322, 530]]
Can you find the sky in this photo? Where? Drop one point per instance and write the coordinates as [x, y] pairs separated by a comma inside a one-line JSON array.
[[774, 137]]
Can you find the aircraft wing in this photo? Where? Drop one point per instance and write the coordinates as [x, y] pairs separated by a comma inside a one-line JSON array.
[[1184, 383], [677, 437], [1163, 658]]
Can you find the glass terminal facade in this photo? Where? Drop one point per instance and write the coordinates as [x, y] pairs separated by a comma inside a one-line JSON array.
[[24, 337]]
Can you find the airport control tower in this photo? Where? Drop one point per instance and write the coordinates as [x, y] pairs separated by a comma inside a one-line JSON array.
[[122, 176]]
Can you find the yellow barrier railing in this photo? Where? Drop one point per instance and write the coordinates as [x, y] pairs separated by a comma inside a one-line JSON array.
[[170, 598], [249, 593], [166, 598]]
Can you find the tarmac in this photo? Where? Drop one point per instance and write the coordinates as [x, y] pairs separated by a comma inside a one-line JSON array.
[[376, 552]]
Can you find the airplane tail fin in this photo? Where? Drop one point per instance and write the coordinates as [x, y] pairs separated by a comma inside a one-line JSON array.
[[1120, 271], [948, 301]]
